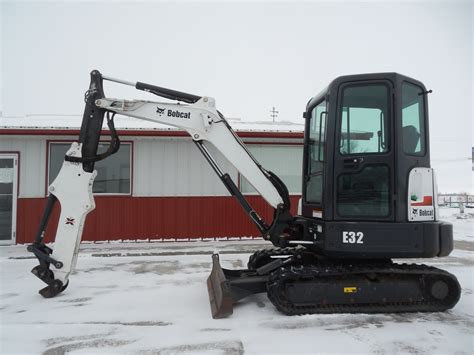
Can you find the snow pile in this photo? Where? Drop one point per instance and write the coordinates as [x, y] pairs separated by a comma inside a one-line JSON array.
[[462, 222], [464, 215]]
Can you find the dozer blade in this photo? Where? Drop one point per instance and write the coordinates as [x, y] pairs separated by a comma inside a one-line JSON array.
[[220, 294]]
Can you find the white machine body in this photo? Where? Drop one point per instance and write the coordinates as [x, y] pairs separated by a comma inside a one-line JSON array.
[[73, 189], [202, 121], [422, 195]]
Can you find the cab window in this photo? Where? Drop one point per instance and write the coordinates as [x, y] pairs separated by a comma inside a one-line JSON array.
[[364, 120], [413, 119], [316, 153]]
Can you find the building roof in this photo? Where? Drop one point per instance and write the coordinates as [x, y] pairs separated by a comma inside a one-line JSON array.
[[73, 122]]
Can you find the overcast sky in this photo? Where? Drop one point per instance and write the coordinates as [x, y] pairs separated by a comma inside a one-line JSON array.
[[249, 56]]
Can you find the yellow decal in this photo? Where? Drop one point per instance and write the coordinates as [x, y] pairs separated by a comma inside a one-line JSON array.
[[350, 289]]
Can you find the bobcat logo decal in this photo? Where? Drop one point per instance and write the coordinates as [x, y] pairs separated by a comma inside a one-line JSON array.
[[160, 111]]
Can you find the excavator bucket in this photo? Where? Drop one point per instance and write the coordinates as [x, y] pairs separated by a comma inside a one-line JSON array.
[[220, 293]]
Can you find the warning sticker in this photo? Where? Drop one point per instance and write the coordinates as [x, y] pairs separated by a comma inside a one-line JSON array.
[[350, 289]]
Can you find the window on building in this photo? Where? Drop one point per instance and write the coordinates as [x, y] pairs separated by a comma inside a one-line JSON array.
[[113, 173], [413, 119], [284, 161]]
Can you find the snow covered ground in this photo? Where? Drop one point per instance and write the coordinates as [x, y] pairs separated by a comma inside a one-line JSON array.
[[151, 298]]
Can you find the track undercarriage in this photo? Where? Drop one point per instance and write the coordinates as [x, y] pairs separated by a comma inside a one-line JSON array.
[[298, 281]]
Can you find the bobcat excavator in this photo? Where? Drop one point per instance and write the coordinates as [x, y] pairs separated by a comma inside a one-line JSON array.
[[369, 195]]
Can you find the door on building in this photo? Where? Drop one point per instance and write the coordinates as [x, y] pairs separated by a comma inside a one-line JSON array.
[[8, 197]]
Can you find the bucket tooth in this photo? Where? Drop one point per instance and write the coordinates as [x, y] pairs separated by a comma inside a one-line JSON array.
[[220, 294]]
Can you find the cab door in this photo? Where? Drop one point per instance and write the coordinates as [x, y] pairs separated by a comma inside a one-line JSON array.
[[364, 154]]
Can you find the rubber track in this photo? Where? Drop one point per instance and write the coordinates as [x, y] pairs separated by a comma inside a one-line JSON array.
[[279, 278]]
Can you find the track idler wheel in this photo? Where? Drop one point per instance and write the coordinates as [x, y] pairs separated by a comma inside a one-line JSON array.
[[444, 290], [439, 290]]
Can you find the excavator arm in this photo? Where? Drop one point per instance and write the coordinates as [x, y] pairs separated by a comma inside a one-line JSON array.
[[73, 185]]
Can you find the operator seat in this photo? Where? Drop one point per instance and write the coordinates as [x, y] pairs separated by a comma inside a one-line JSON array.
[[411, 136]]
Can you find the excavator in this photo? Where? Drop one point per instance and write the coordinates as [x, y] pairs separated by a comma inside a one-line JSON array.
[[369, 196]]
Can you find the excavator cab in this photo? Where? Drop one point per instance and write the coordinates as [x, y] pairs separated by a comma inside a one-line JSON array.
[[368, 189]]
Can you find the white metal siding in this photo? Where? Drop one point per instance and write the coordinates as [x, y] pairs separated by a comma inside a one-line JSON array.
[[162, 166], [175, 167], [286, 161], [32, 162]]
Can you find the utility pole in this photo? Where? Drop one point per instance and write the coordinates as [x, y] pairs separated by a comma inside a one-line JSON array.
[[273, 114]]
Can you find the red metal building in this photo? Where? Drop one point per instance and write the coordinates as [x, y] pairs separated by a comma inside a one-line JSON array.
[[158, 185]]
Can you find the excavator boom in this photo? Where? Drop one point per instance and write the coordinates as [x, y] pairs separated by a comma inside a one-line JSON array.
[[73, 185]]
